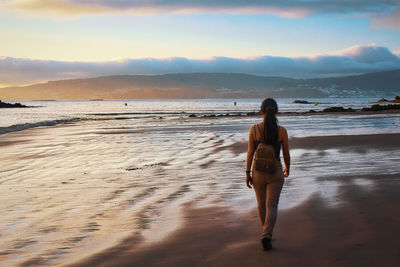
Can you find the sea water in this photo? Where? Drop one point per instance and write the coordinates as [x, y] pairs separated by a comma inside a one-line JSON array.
[[77, 177], [49, 113]]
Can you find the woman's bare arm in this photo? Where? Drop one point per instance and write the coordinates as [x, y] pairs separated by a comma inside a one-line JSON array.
[[250, 154], [285, 151], [250, 149]]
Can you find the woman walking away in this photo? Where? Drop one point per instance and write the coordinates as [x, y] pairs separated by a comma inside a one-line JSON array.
[[267, 176]]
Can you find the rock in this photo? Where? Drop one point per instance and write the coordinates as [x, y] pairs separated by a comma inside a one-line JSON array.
[[312, 111], [382, 100], [301, 102], [395, 100], [378, 107], [192, 116], [8, 105], [338, 109], [334, 109]]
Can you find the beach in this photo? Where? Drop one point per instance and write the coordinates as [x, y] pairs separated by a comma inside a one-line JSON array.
[[158, 188], [127, 128], [361, 231]]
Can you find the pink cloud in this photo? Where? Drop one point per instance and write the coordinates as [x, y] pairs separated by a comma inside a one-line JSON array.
[[352, 60], [391, 20], [285, 8]]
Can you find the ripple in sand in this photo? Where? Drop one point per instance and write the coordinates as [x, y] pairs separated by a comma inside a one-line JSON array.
[[71, 241], [91, 227], [22, 243], [48, 229]]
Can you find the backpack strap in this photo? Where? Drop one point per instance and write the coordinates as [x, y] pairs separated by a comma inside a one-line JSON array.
[[258, 127]]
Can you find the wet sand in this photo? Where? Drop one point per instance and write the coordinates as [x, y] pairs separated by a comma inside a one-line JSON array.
[[361, 230], [356, 143]]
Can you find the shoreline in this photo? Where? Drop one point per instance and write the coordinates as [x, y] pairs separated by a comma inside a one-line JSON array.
[[50, 123]]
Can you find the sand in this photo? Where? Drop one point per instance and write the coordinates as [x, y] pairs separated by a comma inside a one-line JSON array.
[[360, 230], [357, 143]]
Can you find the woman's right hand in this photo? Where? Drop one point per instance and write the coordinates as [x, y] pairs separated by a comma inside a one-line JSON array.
[[286, 172], [249, 180]]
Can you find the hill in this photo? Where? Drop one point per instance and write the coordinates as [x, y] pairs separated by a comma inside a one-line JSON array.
[[208, 85]]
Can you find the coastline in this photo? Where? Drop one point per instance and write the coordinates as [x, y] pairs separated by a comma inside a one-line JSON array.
[[192, 116], [192, 111], [361, 230]]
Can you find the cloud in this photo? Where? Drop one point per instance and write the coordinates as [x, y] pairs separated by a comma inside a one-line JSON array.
[[353, 60], [389, 20], [286, 8]]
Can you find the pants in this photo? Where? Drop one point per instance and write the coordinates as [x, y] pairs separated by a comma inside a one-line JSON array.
[[268, 189]]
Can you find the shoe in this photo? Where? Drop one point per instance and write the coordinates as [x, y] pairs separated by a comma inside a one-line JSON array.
[[266, 243]]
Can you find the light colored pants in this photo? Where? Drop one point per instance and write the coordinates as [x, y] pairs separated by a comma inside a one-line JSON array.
[[268, 189]]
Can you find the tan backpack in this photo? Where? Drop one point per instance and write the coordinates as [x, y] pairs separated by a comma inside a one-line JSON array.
[[264, 157]]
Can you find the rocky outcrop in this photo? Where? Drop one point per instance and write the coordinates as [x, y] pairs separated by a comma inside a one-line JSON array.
[[301, 102], [378, 107], [8, 105], [338, 109], [384, 100], [374, 108]]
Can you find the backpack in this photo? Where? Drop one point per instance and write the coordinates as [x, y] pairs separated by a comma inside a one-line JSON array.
[[264, 158]]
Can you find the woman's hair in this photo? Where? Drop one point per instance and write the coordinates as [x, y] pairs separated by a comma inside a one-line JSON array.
[[270, 133]]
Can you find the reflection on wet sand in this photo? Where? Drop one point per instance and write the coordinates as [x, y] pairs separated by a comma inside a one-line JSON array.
[[70, 191], [362, 231]]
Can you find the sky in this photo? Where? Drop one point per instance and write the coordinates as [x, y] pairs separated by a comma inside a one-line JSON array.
[[45, 40]]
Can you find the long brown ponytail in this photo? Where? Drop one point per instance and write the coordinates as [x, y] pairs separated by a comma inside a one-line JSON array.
[[270, 133]]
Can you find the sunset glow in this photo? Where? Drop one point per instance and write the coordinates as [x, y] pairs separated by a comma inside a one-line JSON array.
[[105, 35]]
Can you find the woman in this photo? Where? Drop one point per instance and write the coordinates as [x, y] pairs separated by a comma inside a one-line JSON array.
[[268, 186]]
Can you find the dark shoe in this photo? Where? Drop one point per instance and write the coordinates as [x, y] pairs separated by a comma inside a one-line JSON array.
[[266, 243]]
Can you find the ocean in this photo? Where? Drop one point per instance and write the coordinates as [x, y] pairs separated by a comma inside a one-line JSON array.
[[77, 177]]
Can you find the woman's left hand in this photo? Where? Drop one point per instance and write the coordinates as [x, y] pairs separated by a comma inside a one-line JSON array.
[[249, 180]]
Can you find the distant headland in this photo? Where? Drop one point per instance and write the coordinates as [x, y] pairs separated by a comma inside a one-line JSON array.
[[209, 85]]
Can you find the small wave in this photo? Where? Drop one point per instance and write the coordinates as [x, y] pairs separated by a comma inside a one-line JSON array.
[[138, 113], [24, 126]]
